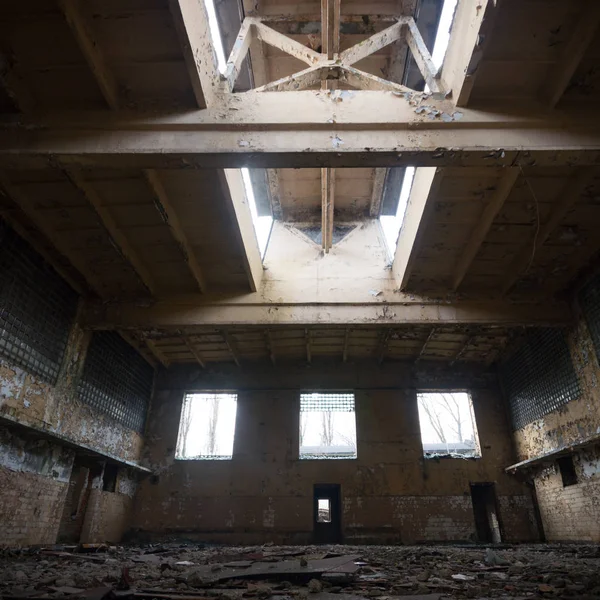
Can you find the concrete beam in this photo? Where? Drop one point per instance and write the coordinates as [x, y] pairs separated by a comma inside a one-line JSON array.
[[305, 129], [171, 315]]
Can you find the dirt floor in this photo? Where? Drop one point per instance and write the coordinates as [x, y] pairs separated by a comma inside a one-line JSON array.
[[194, 572]]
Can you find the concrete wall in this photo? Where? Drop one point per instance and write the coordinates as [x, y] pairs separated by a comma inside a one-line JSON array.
[[265, 493], [35, 472], [569, 513]]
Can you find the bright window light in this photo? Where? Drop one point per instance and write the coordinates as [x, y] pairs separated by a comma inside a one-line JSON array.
[[262, 225], [391, 225], [448, 425], [327, 426], [207, 427], [215, 34], [443, 33]]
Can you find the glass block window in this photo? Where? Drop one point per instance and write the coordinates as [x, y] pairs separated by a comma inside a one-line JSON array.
[[37, 308], [539, 376], [207, 427], [117, 380], [327, 426], [589, 300]]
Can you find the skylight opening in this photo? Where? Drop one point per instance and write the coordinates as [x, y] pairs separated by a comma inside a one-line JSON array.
[[215, 34], [262, 225], [391, 225], [442, 37]]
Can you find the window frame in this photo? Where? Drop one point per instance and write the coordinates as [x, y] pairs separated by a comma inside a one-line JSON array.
[[449, 456], [322, 392], [207, 458]]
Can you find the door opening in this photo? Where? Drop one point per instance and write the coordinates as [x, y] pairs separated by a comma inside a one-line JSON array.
[[327, 522], [485, 509]]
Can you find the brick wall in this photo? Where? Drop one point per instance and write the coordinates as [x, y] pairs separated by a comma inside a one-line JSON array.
[[265, 493], [569, 513], [34, 477], [108, 514]]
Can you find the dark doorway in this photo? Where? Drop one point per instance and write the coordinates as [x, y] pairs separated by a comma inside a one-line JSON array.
[[485, 509], [327, 521]]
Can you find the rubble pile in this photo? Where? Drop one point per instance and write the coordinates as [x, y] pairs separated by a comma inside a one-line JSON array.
[[178, 571]]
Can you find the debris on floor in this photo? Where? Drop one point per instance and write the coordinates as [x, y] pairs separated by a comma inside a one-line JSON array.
[[178, 571]]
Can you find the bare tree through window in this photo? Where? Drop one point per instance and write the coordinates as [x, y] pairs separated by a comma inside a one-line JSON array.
[[448, 424], [207, 427], [327, 426]]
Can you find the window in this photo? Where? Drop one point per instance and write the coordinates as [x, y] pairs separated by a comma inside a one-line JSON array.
[[207, 427], [567, 470], [117, 380], [327, 426], [539, 377], [36, 309], [448, 425], [324, 510]]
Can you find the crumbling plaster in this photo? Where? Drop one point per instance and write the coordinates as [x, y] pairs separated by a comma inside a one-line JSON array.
[[390, 493]]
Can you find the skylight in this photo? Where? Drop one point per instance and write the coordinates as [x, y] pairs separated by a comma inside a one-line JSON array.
[[443, 33], [391, 225], [215, 34], [262, 225]]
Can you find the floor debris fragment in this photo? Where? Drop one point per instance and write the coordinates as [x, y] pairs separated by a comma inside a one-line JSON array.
[[196, 572]]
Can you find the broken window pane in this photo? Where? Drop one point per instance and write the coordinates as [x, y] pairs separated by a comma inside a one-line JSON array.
[[327, 426], [448, 425], [207, 427], [323, 510]]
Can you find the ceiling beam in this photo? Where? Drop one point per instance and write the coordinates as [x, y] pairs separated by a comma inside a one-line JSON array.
[[479, 233], [60, 242], [169, 216], [420, 204], [230, 346], [565, 200], [120, 241], [383, 345], [158, 355], [327, 200], [191, 23], [560, 75], [234, 194], [12, 83], [195, 352], [471, 31], [269, 345], [171, 316], [80, 26], [310, 24], [305, 129], [285, 44], [35, 238], [425, 344], [346, 343], [330, 28], [377, 193], [137, 342]]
